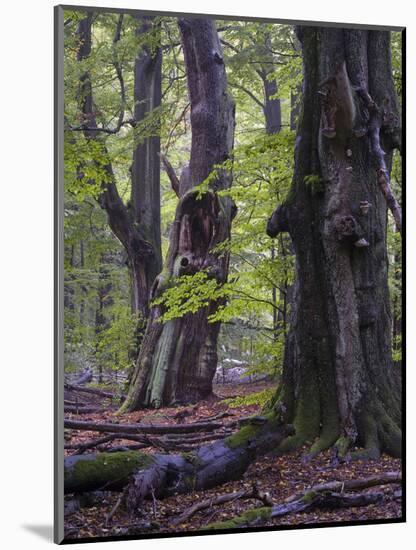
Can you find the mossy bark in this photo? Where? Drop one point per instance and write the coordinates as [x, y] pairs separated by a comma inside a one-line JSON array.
[[109, 471], [178, 358], [339, 382]]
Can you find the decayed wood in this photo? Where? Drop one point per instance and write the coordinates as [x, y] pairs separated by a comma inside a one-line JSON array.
[[141, 428]]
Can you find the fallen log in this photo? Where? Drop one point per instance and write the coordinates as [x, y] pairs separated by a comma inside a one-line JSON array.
[[84, 378], [166, 474], [141, 428]]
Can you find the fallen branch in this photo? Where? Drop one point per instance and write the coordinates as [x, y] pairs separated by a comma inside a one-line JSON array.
[[190, 439], [222, 499], [76, 403], [352, 484], [94, 391], [309, 500], [124, 448], [81, 409], [90, 444], [82, 447], [141, 428]]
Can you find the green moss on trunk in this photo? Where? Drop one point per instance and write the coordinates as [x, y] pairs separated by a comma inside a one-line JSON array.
[[102, 471]]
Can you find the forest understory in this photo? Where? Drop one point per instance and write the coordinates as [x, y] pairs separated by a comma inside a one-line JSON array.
[[279, 477]]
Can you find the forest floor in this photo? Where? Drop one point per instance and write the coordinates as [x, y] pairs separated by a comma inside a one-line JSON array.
[[280, 476]]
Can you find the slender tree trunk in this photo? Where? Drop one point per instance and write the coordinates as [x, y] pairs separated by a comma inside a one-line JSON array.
[[339, 383], [103, 301], [178, 358], [69, 292], [273, 118], [141, 243], [272, 107], [145, 189]]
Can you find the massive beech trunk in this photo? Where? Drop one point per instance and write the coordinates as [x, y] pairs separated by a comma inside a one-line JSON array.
[[178, 358], [139, 236], [339, 383]]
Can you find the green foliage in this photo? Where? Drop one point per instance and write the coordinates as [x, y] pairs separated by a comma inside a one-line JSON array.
[[116, 344], [188, 294], [258, 398]]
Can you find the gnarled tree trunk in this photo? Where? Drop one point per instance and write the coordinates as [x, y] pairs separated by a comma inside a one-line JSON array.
[[178, 358], [339, 383]]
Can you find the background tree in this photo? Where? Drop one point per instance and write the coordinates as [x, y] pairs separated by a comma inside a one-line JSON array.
[[140, 238]]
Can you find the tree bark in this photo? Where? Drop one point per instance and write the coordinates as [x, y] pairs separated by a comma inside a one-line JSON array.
[[178, 358], [339, 383]]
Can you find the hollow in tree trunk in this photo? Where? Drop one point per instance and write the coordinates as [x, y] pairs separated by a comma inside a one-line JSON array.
[[178, 358]]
